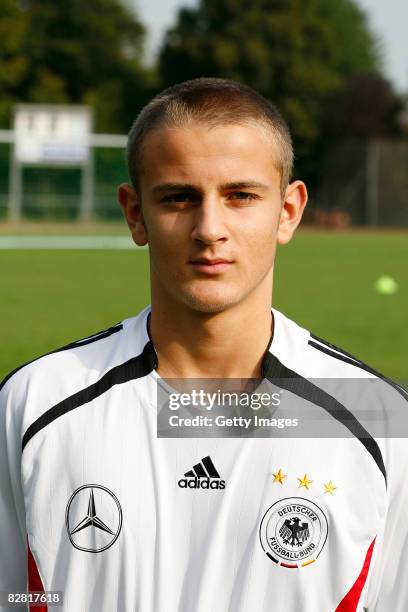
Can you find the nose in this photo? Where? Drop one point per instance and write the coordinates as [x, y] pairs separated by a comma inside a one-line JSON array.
[[209, 221]]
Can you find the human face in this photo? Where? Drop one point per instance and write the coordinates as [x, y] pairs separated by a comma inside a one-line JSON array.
[[210, 208]]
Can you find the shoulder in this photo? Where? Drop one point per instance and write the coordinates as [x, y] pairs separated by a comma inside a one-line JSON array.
[[312, 356], [58, 356], [346, 387], [365, 403], [64, 371]]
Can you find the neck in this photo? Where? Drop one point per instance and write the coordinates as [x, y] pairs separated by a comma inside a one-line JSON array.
[[228, 344]]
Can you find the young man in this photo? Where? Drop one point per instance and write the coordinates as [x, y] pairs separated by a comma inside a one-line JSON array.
[[119, 519]]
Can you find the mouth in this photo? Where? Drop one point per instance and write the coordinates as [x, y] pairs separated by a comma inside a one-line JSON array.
[[210, 266]]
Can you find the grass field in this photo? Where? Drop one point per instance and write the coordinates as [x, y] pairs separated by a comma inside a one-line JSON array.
[[323, 280]]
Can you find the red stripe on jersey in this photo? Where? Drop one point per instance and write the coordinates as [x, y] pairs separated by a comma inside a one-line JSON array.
[[34, 580], [350, 601]]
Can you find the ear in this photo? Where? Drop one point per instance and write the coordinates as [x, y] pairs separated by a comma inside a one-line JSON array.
[[292, 210], [131, 206]]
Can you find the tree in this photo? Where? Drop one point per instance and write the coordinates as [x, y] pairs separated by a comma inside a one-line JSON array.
[[297, 53], [366, 108], [83, 52], [13, 64]]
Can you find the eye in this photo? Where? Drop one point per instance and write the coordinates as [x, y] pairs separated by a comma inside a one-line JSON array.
[[178, 197], [243, 195]]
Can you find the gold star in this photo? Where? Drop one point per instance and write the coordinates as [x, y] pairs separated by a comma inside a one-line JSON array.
[[304, 482], [330, 488], [278, 477]]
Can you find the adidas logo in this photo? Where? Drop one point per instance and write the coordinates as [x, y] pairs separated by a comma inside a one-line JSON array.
[[202, 476]]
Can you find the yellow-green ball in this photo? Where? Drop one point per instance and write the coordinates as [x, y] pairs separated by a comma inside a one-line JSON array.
[[386, 285]]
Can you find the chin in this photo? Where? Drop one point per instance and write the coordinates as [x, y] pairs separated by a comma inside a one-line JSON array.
[[208, 303]]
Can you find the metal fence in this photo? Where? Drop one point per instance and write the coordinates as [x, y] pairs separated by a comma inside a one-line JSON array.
[[367, 182], [364, 183]]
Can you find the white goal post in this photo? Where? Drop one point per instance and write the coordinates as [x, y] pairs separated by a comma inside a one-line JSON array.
[[54, 135]]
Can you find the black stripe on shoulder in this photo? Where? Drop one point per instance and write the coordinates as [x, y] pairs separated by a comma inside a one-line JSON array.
[[335, 348], [348, 358], [137, 367], [87, 340], [273, 369]]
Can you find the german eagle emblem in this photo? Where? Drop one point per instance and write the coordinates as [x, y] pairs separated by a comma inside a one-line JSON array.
[[294, 532]]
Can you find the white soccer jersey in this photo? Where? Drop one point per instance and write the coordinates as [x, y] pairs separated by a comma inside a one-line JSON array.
[[93, 504]]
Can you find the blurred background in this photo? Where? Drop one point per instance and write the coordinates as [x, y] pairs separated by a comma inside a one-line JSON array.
[[73, 77]]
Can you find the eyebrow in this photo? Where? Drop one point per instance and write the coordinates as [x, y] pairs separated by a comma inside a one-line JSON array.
[[249, 184]]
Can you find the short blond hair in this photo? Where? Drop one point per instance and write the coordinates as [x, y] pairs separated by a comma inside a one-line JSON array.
[[214, 102]]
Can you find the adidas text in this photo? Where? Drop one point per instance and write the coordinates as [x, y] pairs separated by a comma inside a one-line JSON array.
[[201, 483]]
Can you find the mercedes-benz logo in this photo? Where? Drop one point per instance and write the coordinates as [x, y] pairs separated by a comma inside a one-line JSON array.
[[95, 531]]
